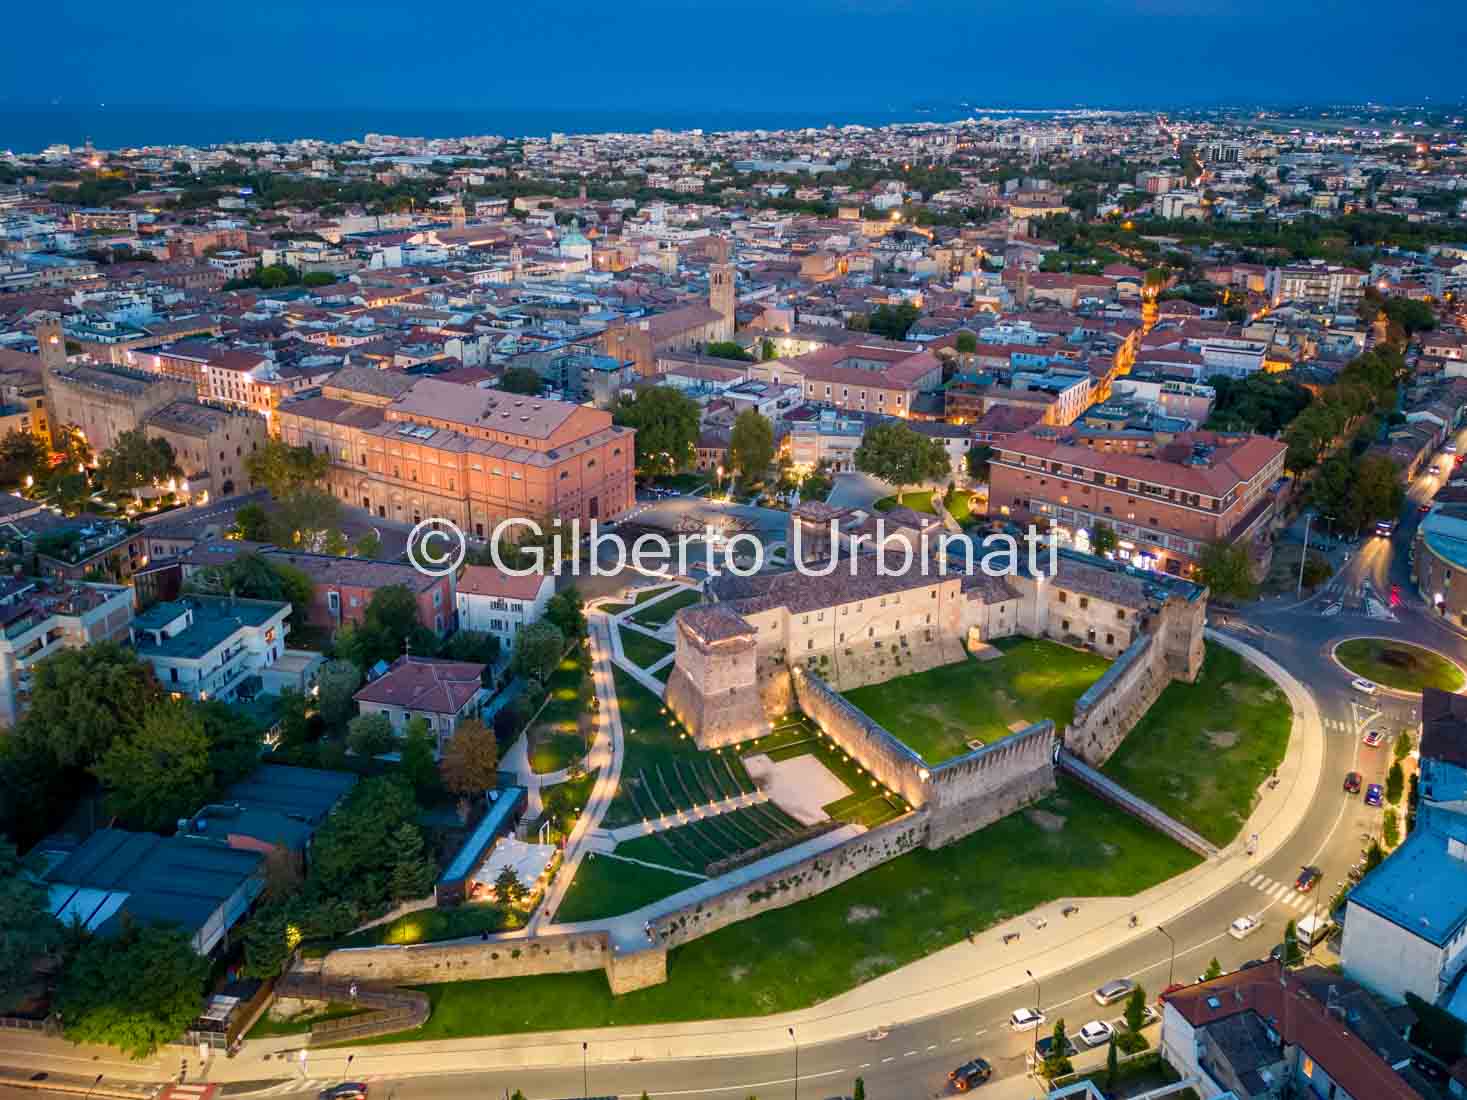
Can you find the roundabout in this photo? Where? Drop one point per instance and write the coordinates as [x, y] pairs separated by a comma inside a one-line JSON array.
[[1398, 666]]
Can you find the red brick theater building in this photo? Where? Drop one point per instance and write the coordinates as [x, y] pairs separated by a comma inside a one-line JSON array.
[[473, 456], [1165, 500]]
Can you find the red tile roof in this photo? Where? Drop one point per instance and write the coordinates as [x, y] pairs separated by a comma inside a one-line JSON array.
[[425, 684]]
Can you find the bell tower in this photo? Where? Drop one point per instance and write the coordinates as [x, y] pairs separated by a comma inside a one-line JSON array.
[[51, 339], [721, 288]]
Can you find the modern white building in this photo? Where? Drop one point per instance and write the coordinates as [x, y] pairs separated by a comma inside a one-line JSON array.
[[207, 647], [490, 602]]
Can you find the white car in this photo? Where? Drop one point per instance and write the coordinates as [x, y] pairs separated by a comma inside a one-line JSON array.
[[1243, 927], [1096, 1033], [1364, 686], [1026, 1019]]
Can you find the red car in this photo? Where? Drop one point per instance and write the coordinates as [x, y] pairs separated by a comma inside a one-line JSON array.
[[1308, 879], [1352, 782]]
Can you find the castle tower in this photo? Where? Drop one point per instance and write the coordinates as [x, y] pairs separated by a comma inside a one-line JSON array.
[[51, 340], [721, 288]]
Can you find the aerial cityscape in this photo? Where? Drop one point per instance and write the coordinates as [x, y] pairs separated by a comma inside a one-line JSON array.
[[888, 591]]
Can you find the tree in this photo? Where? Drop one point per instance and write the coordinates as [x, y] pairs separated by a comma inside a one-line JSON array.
[[353, 850], [521, 380], [1293, 956], [412, 872], [389, 628], [474, 647], [1102, 538], [1214, 970], [251, 523], [159, 772], [508, 888], [23, 454], [727, 349], [1057, 1062], [1390, 830], [751, 445], [895, 453], [27, 928], [978, 458], [537, 650], [1136, 1010], [470, 764], [370, 735], [1395, 784], [368, 545], [135, 991], [666, 421], [255, 577], [135, 462], [284, 469], [566, 612], [1374, 856], [1226, 570], [858, 1090], [336, 683], [966, 343], [893, 321], [82, 699], [234, 741], [766, 349], [417, 763], [1112, 1064], [1403, 745], [308, 518]]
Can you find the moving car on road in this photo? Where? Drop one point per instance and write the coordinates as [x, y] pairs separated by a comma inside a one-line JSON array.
[[347, 1090], [1352, 782], [1374, 738], [1026, 1019], [1308, 879], [1096, 1033], [1243, 927], [1364, 686], [1373, 795], [1113, 991], [970, 1073]]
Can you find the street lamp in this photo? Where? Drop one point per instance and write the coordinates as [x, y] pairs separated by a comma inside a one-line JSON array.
[[1038, 999], [1171, 966], [346, 1069], [796, 1042], [585, 1073], [94, 1084]]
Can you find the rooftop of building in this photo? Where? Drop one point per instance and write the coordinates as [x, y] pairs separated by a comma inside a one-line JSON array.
[[425, 684], [164, 630]]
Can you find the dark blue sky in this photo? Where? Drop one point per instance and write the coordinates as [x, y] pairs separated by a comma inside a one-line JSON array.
[[757, 54]]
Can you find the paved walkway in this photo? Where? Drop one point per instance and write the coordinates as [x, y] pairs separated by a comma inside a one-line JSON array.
[[664, 633], [950, 979]]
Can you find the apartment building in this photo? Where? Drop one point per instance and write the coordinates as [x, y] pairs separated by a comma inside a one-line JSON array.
[[1317, 284], [868, 378], [473, 456], [208, 647], [492, 602], [1165, 505], [39, 618]]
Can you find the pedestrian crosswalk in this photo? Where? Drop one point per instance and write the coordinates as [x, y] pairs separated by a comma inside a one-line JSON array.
[[1284, 893], [1338, 725], [305, 1085]]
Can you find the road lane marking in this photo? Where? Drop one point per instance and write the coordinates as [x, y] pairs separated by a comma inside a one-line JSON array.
[[931, 1046], [886, 1060]]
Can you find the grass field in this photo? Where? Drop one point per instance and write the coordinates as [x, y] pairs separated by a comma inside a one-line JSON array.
[[605, 887], [563, 802], [555, 740], [661, 612], [959, 505], [939, 711], [641, 650], [663, 770], [428, 925], [615, 608], [917, 501], [868, 804], [1070, 844], [1398, 665], [1204, 749]]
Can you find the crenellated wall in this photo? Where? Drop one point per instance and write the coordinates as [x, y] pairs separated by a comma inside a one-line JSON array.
[[880, 752], [975, 790]]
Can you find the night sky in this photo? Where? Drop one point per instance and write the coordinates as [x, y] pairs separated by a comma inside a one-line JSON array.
[[759, 54]]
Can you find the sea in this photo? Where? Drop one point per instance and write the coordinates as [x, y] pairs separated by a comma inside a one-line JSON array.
[[31, 129]]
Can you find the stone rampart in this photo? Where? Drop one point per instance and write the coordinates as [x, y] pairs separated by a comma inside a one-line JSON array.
[[881, 753], [972, 791], [414, 964]]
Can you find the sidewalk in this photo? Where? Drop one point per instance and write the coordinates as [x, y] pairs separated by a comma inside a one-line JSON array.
[[953, 978]]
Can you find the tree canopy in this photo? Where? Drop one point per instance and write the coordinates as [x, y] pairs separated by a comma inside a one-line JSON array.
[[901, 456], [751, 445], [666, 422], [522, 380], [134, 462], [160, 771], [27, 928]]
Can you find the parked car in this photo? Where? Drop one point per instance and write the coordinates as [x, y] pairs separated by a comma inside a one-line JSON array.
[[1243, 927], [970, 1073], [1251, 963], [347, 1090], [1374, 738], [1373, 795], [1111, 992], [1026, 1019], [1308, 879], [1352, 782], [1096, 1033], [1364, 686]]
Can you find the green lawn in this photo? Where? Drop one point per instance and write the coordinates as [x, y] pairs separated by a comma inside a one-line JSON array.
[[1204, 749], [428, 925], [659, 613], [1076, 845], [614, 608], [692, 847], [869, 803], [555, 739], [563, 802], [1398, 665], [959, 505], [663, 770], [917, 501], [641, 650], [606, 887], [939, 711], [646, 594]]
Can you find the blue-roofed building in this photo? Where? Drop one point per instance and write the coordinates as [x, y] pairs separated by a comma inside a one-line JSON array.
[[506, 807], [1406, 923]]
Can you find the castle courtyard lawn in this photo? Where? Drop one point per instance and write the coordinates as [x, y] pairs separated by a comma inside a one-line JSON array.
[[660, 612], [606, 887], [1204, 749], [937, 712], [1071, 844], [641, 650], [1398, 665]]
